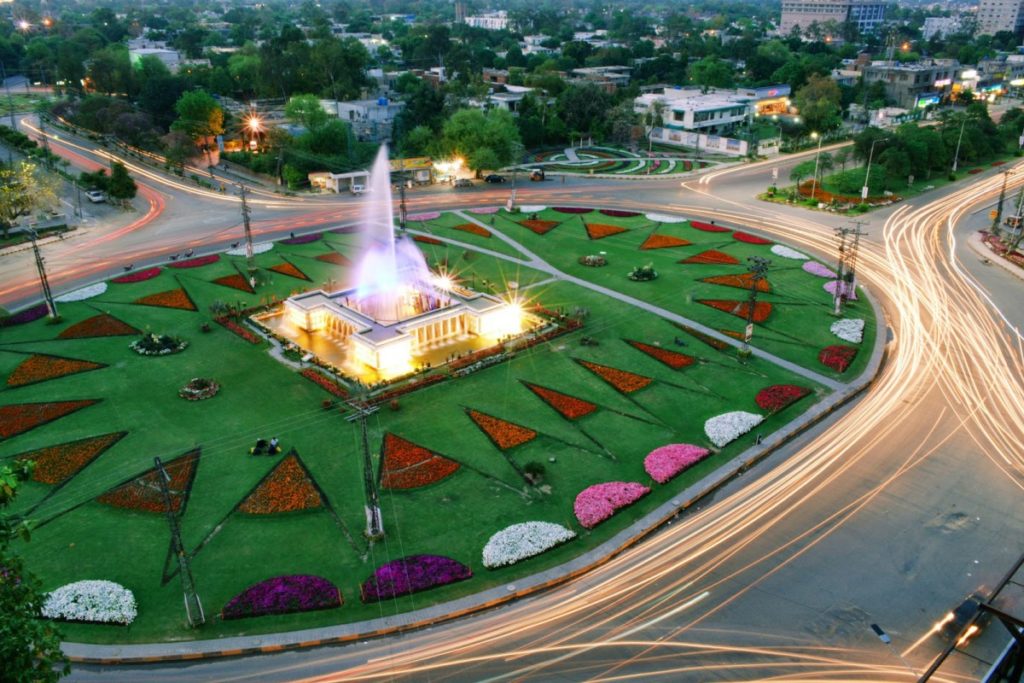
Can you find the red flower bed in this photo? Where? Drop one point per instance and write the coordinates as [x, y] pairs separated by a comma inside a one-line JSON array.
[[407, 466], [21, 417], [424, 239], [656, 241], [196, 262], [407, 388], [143, 494], [623, 381], [40, 367], [740, 281], [175, 298], [569, 407], [234, 327], [57, 464], [286, 488], [324, 382], [474, 357], [572, 209], [290, 270], [335, 258], [540, 227], [673, 359], [998, 163], [762, 309], [748, 238], [102, 325], [975, 171], [137, 276], [714, 343], [616, 213], [473, 229], [236, 281], [708, 227], [597, 231], [502, 433], [711, 257], [838, 357], [778, 396]]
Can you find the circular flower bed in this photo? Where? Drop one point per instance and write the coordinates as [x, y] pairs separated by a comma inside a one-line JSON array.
[[104, 602], [520, 541], [199, 389], [157, 345], [83, 293]]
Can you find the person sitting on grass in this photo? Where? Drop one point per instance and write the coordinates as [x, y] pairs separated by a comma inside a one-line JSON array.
[[260, 448], [274, 447]]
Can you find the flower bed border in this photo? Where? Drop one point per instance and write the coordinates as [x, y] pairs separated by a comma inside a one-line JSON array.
[[94, 364]]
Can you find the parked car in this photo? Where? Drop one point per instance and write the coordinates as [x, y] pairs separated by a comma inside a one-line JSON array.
[[358, 189], [962, 614], [494, 178], [463, 182], [537, 174], [96, 196]]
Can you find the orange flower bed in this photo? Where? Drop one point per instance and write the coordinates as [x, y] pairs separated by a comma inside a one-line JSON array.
[[540, 227], [21, 417], [236, 281], [762, 309], [597, 231], [287, 488], [174, 298], [623, 381], [41, 367], [406, 465], [711, 257], [143, 494], [474, 229], [673, 359], [714, 343], [102, 325], [335, 258], [656, 241], [502, 433], [740, 281], [57, 464], [569, 407], [290, 270], [424, 239]]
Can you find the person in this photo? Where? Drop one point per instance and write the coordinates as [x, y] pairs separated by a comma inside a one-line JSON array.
[[274, 447], [260, 448]]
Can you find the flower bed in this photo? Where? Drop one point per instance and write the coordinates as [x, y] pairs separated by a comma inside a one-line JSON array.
[[411, 575], [785, 252], [290, 270], [815, 268], [406, 465], [572, 209], [569, 407], [157, 345], [778, 396], [103, 602], [286, 488], [26, 315], [502, 433], [713, 342], [673, 359], [664, 218], [740, 281], [848, 291], [748, 238], [57, 464], [324, 382], [740, 309], [143, 494], [335, 258], [21, 417], [597, 231], [421, 217], [656, 241], [303, 239], [426, 239], [235, 281], [727, 427], [237, 329], [174, 298], [597, 503], [83, 293], [283, 595], [532, 208], [538, 226], [623, 381], [473, 229], [618, 213], [137, 276], [259, 248], [197, 262], [199, 389], [521, 541], [485, 210], [975, 171], [838, 357], [41, 367], [102, 325], [668, 461], [849, 329], [708, 227], [711, 257]]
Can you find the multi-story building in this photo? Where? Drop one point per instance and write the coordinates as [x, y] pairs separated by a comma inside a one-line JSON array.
[[1000, 15], [916, 84], [492, 21], [866, 14], [371, 120], [940, 26]]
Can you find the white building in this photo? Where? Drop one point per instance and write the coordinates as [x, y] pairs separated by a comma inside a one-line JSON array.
[[940, 26], [1000, 15], [170, 58], [370, 119], [692, 109], [492, 21]]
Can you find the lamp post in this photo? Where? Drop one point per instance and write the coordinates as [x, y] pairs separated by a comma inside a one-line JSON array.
[[867, 172], [814, 183]]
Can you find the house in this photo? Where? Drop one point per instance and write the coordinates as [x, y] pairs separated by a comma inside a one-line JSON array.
[[371, 120]]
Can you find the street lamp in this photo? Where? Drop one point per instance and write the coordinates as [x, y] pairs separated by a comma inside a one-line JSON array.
[[867, 173], [254, 124], [814, 183]]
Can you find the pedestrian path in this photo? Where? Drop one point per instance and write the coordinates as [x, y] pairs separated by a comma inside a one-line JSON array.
[[570, 154]]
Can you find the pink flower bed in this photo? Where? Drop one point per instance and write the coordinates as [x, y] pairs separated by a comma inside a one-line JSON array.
[[484, 210], [668, 461], [137, 276], [815, 268], [846, 290], [707, 227], [195, 262], [597, 503], [420, 217]]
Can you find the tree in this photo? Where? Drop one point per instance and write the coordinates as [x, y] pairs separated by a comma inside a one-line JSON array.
[[842, 157], [121, 186], [199, 116], [801, 171], [306, 110], [712, 72], [818, 102], [24, 189], [583, 108], [486, 141]]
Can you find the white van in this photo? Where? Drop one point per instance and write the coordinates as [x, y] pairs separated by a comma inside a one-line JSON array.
[[358, 188]]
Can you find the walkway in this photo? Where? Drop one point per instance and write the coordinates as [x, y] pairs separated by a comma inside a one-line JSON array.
[[570, 154]]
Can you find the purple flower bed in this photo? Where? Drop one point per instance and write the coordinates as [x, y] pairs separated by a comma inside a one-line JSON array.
[[668, 461], [137, 276], [616, 213], [572, 209], [815, 268], [484, 210], [303, 239], [346, 230], [195, 262], [849, 292], [421, 217], [24, 316], [282, 595], [597, 503], [412, 574]]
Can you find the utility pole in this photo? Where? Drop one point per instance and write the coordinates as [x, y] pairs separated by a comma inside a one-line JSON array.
[[374, 519], [193, 607], [46, 142], [998, 214], [78, 198], [250, 263], [44, 283], [846, 270], [758, 270], [402, 212]]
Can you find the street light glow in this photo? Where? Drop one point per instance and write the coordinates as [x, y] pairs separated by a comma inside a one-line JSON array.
[[254, 123], [24, 25]]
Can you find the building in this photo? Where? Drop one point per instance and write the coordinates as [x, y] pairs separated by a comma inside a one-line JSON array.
[[1000, 15], [914, 85], [371, 120], [610, 78], [336, 182], [170, 58], [940, 27], [715, 110], [492, 21], [866, 14]]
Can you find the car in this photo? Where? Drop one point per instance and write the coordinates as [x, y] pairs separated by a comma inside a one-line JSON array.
[[954, 623], [463, 182], [358, 189], [537, 174], [494, 178], [96, 196]]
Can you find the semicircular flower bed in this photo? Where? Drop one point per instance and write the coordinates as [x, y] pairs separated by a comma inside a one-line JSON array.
[[411, 575], [838, 357], [26, 315], [137, 276], [283, 595], [521, 541], [597, 503], [845, 289], [666, 462], [94, 601], [83, 293], [778, 396], [815, 268], [196, 262], [727, 427]]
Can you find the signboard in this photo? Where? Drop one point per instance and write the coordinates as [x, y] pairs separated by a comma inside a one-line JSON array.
[[775, 173], [749, 333], [864, 192]]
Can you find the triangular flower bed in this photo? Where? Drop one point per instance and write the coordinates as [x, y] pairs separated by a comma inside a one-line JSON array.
[[598, 231], [57, 464], [708, 227], [656, 241], [569, 407], [335, 258], [673, 359], [286, 488], [427, 239], [838, 357], [748, 238], [21, 417], [42, 367], [502, 433], [235, 281], [406, 465], [173, 298], [739, 281], [716, 344], [473, 229], [762, 309], [623, 381], [143, 494], [102, 325], [538, 226], [711, 257], [287, 268]]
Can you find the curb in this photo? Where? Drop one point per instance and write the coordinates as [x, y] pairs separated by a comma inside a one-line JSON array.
[[981, 249]]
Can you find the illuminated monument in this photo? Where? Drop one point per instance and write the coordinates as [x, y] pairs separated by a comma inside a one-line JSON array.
[[396, 315]]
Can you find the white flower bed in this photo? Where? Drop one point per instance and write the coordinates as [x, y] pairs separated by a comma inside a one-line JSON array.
[[728, 427], [260, 248], [520, 541], [786, 252], [99, 601], [664, 218], [532, 208], [849, 329], [83, 293]]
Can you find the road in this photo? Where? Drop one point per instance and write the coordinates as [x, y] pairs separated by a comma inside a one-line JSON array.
[[888, 516]]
